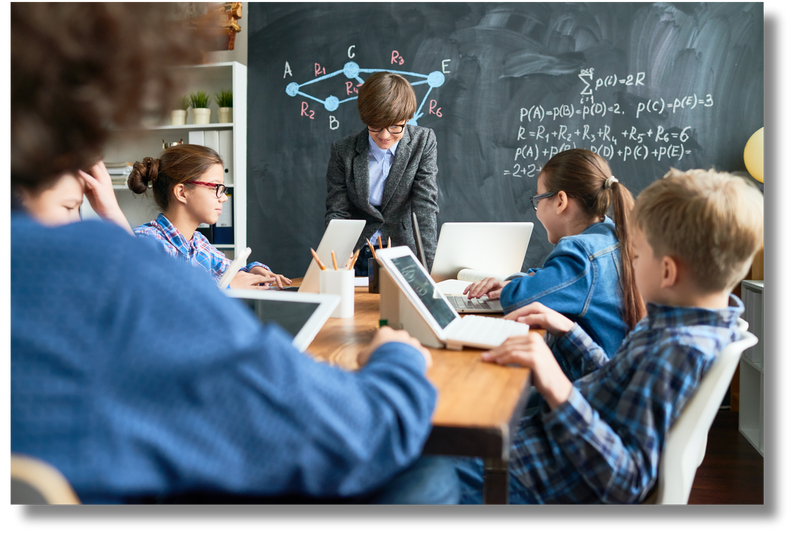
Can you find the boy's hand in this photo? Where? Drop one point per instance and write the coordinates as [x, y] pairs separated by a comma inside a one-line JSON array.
[[488, 286], [538, 315], [531, 351], [385, 335]]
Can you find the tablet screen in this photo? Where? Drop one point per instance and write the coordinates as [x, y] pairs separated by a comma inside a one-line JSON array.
[[423, 286], [291, 316]]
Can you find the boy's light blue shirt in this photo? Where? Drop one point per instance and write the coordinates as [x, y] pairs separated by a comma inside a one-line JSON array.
[[380, 163]]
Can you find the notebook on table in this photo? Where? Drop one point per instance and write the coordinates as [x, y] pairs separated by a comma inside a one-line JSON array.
[[450, 329], [301, 315], [341, 236]]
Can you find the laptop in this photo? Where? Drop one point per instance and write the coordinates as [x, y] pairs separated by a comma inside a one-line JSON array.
[[341, 236], [450, 328], [493, 247], [459, 301], [301, 315]]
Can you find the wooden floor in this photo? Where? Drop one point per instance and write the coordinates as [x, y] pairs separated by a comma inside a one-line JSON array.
[[733, 470]]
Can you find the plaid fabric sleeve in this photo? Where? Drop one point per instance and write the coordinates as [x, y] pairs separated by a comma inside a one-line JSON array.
[[150, 232], [580, 350], [250, 266]]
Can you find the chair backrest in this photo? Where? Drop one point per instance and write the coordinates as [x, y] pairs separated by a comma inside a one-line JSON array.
[[685, 444], [36, 482]]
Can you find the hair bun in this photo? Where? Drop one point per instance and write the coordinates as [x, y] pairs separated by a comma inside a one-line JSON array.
[[143, 173]]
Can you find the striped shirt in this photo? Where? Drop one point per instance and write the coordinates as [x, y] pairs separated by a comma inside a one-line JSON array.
[[199, 252], [604, 443]]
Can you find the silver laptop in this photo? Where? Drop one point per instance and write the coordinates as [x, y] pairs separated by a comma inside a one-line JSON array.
[[451, 329], [301, 315], [493, 247], [341, 236]]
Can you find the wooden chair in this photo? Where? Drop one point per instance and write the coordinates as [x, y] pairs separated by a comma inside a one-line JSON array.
[[36, 482], [685, 444]]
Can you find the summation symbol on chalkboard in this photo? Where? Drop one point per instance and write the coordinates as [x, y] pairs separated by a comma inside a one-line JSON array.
[[353, 71]]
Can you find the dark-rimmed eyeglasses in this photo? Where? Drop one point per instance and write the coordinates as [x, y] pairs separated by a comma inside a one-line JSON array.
[[396, 129], [220, 188], [535, 199]]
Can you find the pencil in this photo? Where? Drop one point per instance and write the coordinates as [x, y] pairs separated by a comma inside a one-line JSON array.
[[389, 244], [319, 262], [371, 248], [380, 243], [333, 257], [353, 261]]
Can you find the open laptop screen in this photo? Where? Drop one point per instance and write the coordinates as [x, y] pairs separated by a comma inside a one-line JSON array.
[[423, 286]]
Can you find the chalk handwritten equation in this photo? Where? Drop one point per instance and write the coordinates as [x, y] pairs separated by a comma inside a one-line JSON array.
[[545, 131], [348, 90]]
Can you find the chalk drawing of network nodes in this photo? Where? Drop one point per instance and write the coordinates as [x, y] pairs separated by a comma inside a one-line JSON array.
[[351, 70]]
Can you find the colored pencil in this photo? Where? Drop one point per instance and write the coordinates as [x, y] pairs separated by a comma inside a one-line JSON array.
[[319, 262], [333, 257]]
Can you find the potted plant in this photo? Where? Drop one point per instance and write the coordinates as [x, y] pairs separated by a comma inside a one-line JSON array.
[[225, 102], [201, 113], [178, 116]]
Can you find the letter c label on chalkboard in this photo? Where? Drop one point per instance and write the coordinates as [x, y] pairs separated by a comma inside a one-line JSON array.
[[350, 53]]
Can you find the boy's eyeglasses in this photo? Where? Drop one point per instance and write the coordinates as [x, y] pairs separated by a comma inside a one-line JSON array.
[[396, 129], [221, 189], [535, 200]]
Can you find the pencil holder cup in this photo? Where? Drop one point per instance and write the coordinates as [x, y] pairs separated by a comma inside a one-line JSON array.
[[342, 283], [373, 274]]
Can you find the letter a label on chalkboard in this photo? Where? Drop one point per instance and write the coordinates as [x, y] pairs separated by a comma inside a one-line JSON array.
[[287, 70]]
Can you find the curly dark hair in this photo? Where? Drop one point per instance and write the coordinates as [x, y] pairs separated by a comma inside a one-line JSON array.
[[79, 69]]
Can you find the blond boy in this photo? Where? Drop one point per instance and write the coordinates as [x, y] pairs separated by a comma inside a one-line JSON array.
[[599, 439]]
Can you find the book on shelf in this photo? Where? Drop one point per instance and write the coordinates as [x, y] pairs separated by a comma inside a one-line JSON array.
[[208, 231], [223, 230]]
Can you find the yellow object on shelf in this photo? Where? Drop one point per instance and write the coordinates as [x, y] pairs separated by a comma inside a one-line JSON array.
[[754, 155]]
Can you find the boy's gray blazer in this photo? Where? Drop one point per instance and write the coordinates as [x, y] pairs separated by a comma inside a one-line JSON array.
[[411, 185]]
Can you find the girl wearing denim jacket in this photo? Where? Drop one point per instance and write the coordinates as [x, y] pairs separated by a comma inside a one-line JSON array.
[[589, 274]]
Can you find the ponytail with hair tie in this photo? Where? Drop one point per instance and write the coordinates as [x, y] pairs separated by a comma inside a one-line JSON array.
[[609, 181]]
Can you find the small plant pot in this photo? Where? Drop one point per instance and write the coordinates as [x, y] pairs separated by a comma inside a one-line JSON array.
[[225, 115], [177, 117], [201, 115]]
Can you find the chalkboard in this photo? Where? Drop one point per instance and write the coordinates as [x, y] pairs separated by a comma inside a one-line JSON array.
[[648, 86]]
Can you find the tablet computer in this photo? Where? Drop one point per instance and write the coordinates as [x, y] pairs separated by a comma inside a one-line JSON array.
[[233, 268], [302, 315]]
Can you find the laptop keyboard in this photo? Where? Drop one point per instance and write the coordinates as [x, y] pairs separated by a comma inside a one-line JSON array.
[[483, 332], [463, 303]]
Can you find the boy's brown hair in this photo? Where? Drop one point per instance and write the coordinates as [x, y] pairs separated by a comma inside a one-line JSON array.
[[386, 99], [712, 221]]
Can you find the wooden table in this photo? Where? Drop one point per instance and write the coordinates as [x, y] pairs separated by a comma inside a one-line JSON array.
[[478, 406]]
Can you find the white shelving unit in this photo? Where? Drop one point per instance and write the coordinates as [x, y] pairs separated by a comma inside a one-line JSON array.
[[751, 368], [135, 145]]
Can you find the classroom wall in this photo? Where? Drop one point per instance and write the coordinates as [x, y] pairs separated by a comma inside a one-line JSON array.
[[504, 86]]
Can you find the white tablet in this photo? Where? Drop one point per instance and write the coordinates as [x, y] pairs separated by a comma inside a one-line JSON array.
[[301, 315], [233, 268]]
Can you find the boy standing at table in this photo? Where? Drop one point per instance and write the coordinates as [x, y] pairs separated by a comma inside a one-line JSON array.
[[599, 439]]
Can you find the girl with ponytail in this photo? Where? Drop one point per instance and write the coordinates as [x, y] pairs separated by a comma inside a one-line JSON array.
[[589, 274], [187, 185]]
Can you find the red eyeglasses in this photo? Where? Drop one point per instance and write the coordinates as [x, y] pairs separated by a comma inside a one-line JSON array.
[[221, 189]]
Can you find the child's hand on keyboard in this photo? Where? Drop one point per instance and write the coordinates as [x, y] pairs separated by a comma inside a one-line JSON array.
[[488, 286], [531, 351], [538, 315]]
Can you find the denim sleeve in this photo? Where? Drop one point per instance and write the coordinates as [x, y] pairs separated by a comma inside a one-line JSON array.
[[563, 283]]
